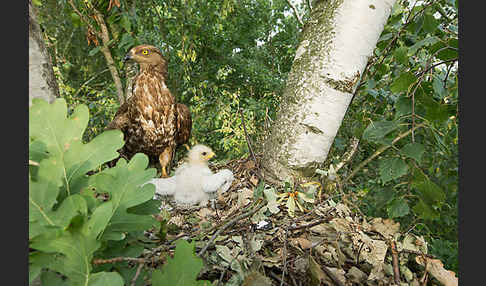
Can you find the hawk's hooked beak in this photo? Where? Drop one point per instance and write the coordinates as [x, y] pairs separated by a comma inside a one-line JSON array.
[[127, 57]]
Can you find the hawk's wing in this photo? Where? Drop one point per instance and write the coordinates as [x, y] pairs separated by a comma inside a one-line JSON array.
[[184, 123], [121, 117]]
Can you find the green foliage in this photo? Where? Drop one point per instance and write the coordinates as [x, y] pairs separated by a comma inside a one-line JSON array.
[[67, 225], [182, 269], [392, 168], [230, 55], [413, 73]]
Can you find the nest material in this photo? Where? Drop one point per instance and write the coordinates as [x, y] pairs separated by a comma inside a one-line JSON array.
[[328, 245]]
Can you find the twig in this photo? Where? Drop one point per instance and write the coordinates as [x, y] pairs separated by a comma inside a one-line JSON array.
[[292, 278], [386, 50], [118, 259], [139, 269], [381, 150], [284, 254], [447, 76], [417, 253], [332, 276], [88, 81], [396, 270], [84, 19], [278, 278], [248, 142], [349, 154], [423, 280], [228, 224], [309, 225], [309, 5], [359, 251], [299, 19], [105, 49], [419, 81]]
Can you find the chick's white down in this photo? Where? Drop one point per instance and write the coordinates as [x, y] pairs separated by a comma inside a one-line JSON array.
[[193, 181]]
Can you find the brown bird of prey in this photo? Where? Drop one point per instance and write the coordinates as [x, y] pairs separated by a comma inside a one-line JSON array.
[[150, 119]]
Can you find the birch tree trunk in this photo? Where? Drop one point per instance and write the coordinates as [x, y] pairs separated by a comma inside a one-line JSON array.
[[42, 82], [335, 45]]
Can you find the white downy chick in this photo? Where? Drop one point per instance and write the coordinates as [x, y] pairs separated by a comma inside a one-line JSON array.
[[193, 181]]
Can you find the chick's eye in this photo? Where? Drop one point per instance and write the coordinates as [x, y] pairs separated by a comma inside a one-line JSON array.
[[204, 153], [145, 52]]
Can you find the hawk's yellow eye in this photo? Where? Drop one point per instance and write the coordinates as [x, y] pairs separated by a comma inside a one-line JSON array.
[[145, 52]]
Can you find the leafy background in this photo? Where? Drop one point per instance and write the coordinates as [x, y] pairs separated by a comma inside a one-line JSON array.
[[230, 55]]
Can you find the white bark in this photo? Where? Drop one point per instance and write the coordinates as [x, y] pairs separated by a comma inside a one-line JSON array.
[[334, 49], [42, 82]]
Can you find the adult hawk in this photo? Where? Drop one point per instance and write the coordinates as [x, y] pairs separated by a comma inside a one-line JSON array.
[[150, 119]]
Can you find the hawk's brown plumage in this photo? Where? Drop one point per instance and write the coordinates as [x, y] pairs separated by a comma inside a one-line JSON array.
[[150, 119]]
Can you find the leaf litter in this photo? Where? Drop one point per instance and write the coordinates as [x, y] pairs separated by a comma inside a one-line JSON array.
[[327, 239]]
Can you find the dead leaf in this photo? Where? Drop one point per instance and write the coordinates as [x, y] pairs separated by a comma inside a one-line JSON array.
[[177, 220], [386, 227], [436, 269], [113, 3], [315, 272], [244, 197], [205, 213], [254, 180], [256, 279], [302, 242], [250, 165], [355, 275]]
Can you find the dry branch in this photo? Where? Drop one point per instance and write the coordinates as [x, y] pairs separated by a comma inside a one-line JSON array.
[[228, 224]]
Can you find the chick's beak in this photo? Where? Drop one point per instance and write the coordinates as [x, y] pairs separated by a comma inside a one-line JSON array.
[[210, 155]]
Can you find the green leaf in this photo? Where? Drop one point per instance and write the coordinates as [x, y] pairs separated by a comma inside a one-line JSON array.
[[37, 261], [414, 151], [392, 168], [434, 111], [37, 151], [398, 208], [149, 207], [106, 279], [402, 83], [77, 245], [430, 23], [42, 198], [424, 211], [422, 43], [94, 51], [123, 184], [53, 278], [258, 191], [430, 193], [401, 55], [377, 130], [125, 23], [403, 106], [181, 270], [62, 138], [439, 89]]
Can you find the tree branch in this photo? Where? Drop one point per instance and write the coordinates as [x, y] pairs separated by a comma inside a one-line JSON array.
[[105, 37], [228, 224], [296, 13], [381, 150]]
